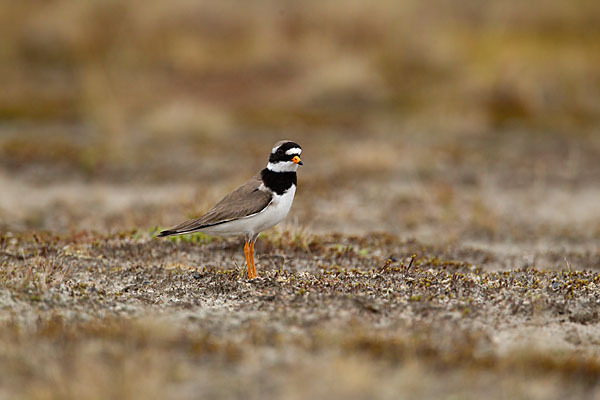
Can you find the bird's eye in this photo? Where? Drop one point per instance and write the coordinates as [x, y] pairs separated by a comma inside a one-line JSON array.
[[279, 152]]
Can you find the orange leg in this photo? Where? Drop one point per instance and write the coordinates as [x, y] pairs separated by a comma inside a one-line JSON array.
[[247, 254], [254, 274]]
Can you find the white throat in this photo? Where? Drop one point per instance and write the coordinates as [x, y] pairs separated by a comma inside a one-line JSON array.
[[282, 166]]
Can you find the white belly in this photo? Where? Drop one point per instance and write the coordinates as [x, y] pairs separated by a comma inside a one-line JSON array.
[[273, 214]]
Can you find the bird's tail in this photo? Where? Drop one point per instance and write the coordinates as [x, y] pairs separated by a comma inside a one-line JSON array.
[[168, 232]]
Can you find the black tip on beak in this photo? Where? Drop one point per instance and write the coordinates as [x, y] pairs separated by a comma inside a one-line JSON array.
[[300, 163]]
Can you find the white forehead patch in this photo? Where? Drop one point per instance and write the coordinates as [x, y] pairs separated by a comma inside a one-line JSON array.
[[294, 150]]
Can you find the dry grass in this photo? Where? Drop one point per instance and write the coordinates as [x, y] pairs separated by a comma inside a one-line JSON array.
[[189, 75]]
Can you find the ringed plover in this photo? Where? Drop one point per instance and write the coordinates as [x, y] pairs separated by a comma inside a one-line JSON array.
[[259, 204]]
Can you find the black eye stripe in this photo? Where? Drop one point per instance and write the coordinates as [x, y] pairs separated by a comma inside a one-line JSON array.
[[281, 157]]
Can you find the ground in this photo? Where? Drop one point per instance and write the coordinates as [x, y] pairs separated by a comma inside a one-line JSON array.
[[464, 287], [443, 242]]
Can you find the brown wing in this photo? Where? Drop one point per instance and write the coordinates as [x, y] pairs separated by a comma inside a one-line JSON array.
[[246, 200]]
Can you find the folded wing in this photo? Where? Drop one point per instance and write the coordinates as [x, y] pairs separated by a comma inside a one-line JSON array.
[[243, 202]]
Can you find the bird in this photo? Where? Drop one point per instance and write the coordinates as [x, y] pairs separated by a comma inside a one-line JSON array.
[[260, 203]]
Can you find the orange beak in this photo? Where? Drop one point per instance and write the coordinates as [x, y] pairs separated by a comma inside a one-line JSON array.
[[297, 160]]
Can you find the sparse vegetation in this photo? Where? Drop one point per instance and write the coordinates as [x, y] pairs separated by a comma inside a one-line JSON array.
[[175, 309]]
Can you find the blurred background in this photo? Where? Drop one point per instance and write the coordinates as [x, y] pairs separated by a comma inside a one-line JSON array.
[[472, 122]]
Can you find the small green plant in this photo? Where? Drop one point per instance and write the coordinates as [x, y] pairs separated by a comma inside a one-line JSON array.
[[194, 238]]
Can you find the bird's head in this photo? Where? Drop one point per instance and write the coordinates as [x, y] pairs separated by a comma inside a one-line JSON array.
[[285, 157]]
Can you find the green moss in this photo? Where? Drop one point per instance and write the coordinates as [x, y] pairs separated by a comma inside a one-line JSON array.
[[198, 238]]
